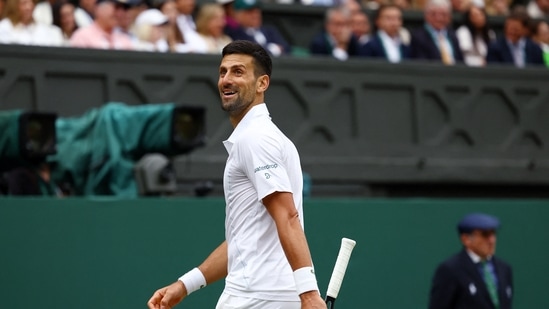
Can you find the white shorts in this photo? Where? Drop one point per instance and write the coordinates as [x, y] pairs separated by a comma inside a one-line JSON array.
[[227, 301]]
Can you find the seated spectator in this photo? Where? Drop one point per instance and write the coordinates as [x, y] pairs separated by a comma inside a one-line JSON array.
[[193, 43], [404, 5], [101, 33], [474, 36], [63, 17], [126, 12], [43, 12], [436, 41], [151, 31], [249, 17], [460, 6], [497, 7], [361, 28], [19, 27], [373, 4], [387, 42], [210, 24], [336, 39], [174, 34], [539, 31], [84, 12], [538, 9], [515, 47], [228, 7]]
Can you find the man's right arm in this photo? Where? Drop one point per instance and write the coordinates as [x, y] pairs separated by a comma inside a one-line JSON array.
[[213, 268]]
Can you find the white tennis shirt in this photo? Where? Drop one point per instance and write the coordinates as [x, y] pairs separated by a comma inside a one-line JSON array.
[[262, 160]]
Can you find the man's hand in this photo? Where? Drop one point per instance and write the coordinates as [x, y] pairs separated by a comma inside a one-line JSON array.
[[169, 296], [312, 300]]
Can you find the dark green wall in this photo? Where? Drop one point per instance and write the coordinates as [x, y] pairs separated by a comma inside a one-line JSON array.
[[109, 253]]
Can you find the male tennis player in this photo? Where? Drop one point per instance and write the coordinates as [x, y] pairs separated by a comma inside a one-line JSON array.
[[265, 258]]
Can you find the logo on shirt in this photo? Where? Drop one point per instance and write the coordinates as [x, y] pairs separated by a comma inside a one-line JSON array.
[[267, 175], [265, 167]]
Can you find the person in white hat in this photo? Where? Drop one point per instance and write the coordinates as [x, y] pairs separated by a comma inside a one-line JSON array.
[[151, 31]]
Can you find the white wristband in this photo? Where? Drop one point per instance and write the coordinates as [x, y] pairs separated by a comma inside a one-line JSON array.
[[193, 280], [305, 280]]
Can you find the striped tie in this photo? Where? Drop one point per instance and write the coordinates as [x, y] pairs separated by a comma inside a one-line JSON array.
[[490, 283]]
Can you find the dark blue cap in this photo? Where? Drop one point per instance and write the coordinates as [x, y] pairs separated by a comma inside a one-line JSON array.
[[477, 221]]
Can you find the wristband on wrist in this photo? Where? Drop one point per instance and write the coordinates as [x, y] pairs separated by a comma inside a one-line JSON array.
[[193, 280], [305, 280]]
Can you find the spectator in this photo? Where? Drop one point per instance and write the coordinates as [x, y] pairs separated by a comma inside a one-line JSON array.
[[174, 34], [497, 7], [210, 24], [63, 17], [230, 22], [373, 4], [474, 36], [436, 41], [101, 33], [473, 278], [404, 5], [515, 47], [460, 6], [19, 27], [126, 12], [387, 42], [249, 17], [540, 34], [151, 31], [337, 38], [538, 9], [361, 28], [193, 43], [84, 12]]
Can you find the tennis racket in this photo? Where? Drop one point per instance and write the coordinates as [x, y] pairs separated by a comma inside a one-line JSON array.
[[347, 246]]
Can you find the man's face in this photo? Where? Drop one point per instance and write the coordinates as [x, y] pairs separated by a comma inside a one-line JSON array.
[[360, 24], [543, 33], [390, 21], [25, 10], [237, 83], [438, 17], [482, 243], [185, 7], [339, 26], [514, 30]]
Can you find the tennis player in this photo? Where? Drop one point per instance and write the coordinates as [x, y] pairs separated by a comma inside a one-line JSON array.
[[265, 258]]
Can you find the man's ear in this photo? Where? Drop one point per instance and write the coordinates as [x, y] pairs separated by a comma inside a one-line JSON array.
[[263, 83]]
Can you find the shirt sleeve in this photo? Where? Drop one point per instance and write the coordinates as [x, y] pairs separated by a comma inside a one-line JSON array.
[[263, 161]]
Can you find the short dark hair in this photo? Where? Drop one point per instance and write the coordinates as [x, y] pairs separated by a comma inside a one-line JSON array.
[[262, 61]]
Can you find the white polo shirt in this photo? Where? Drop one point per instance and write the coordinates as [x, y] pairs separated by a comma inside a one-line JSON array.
[[262, 160]]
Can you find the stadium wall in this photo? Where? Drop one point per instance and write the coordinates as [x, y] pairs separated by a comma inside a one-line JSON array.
[[109, 253]]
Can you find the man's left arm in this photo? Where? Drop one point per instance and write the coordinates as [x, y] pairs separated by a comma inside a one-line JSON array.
[[280, 206]]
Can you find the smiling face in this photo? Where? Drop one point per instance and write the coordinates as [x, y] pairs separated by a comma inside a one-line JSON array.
[[239, 86]]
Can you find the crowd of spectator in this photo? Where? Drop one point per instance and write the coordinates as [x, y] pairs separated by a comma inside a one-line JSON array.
[[183, 26]]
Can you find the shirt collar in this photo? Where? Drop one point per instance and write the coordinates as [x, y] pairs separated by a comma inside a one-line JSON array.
[[258, 111], [384, 36], [475, 257], [435, 32], [520, 44]]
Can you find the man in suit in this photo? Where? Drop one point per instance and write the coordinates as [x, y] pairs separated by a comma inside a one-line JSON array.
[[436, 40], [515, 47], [387, 42], [336, 39], [473, 278], [249, 17]]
